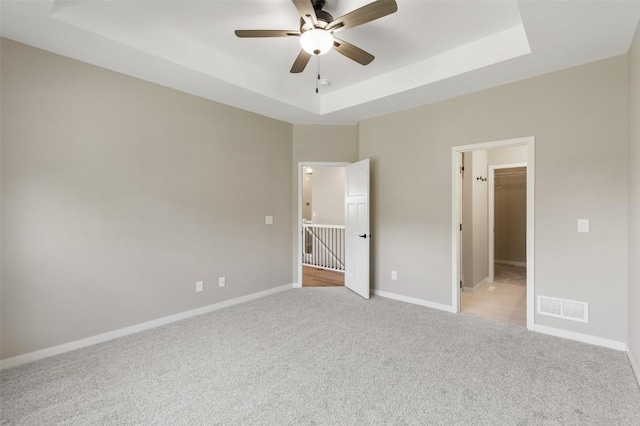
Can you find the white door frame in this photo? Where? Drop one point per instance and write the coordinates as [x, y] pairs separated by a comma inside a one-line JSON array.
[[301, 166], [456, 217], [492, 219]]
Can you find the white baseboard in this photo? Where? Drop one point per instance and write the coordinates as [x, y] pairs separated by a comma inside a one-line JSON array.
[[439, 306], [475, 287], [296, 285], [77, 344], [634, 366], [511, 262], [585, 338]]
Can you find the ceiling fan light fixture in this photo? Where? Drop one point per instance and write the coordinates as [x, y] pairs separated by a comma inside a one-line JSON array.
[[316, 41]]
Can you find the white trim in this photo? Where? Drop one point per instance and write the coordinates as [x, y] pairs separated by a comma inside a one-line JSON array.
[[300, 172], [456, 221], [528, 141], [77, 344], [475, 287], [634, 366], [494, 144], [511, 262], [580, 337], [414, 301], [492, 218], [531, 174]]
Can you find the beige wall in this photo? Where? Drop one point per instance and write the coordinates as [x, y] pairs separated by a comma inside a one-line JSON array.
[[579, 118], [328, 195], [118, 192], [315, 143], [118, 195], [510, 215], [510, 155], [634, 201]]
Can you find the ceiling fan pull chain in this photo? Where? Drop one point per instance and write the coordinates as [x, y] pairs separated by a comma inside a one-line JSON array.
[[317, 72]]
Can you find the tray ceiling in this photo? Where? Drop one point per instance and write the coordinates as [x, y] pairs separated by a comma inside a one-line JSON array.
[[427, 51]]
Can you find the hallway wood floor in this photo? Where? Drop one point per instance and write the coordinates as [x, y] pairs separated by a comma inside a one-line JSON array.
[[314, 277]]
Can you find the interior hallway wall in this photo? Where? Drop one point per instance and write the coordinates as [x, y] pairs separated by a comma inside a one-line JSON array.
[[634, 202], [119, 194], [475, 249], [307, 188], [480, 217], [579, 118], [328, 195]]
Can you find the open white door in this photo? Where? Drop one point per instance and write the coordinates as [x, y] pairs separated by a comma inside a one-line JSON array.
[[356, 225]]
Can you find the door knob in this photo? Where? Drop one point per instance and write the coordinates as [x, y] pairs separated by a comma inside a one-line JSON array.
[[363, 236]]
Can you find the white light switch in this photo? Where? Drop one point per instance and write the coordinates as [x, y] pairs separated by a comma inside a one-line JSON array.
[[394, 275], [268, 220], [583, 225], [199, 286]]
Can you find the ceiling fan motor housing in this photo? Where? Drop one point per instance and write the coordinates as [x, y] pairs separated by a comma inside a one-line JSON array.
[[324, 19]]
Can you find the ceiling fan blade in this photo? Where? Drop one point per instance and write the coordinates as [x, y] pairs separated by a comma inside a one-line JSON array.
[[352, 52], [367, 13], [307, 12], [266, 33], [301, 62]]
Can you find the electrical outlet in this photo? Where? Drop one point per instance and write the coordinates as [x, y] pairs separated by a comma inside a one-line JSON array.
[[583, 225], [268, 220], [221, 281], [199, 286], [394, 275]]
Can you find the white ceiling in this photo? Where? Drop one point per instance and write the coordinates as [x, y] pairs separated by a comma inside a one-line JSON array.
[[427, 51]]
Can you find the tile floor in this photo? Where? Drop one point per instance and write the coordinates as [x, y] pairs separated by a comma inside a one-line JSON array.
[[505, 299]]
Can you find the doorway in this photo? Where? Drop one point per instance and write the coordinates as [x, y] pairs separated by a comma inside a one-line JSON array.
[[507, 216], [322, 246], [329, 246], [501, 294], [493, 230]]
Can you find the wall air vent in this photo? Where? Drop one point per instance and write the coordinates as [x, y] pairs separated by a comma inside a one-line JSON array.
[[561, 308]]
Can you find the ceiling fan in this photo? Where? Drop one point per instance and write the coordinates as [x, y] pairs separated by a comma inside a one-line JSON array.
[[318, 26]]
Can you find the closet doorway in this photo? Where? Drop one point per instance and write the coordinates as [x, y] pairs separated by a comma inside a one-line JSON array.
[[493, 240], [503, 295]]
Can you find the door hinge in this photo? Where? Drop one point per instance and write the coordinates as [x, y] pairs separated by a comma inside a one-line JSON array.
[[460, 283], [461, 227]]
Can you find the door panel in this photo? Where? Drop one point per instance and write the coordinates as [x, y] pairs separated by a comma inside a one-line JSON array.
[[357, 235]]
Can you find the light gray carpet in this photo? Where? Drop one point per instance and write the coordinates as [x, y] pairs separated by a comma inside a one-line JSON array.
[[509, 274], [326, 356]]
